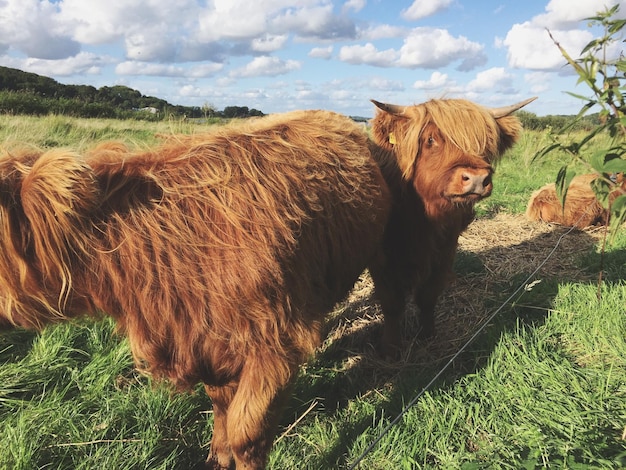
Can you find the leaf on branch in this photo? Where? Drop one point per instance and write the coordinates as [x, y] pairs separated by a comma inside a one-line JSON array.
[[545, 151], [613, 164], [618, 214], [601, 188], [563, 179]]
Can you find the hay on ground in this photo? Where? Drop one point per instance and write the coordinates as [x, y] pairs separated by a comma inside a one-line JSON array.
[[501, 250]]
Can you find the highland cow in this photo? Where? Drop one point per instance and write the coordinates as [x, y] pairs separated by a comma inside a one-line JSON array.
[[218, 254], [582, 208], [437, 159]]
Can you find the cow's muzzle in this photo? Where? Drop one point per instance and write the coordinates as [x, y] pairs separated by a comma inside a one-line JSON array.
[[476, 182], [469, 185]]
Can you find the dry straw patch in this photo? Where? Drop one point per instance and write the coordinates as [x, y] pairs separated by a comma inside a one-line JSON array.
[[501, 250]]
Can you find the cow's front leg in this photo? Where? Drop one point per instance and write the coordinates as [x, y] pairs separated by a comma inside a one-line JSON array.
[[220, 455], [391, 295], [426, 296], [256, 408], [426, 300]]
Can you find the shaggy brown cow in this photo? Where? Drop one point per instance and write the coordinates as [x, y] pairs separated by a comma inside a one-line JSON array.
[[437, 159], [218, 255], [582, 208]]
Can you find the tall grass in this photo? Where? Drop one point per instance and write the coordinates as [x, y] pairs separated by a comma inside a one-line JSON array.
[[546, 390], [63, 131]]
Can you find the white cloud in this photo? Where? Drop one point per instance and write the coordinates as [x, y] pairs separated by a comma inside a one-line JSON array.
[[269, 42], [232, 20], [373, 33], [355, 5], [245, 20], [424, 8], [150, 46], [316, 22], [81, 63], [437, 81], [539, 82], [496, 79], [167, 70], [567, 14], [253, 94], [31, 27], [166, 31], [384, 84], [422, 48], [266, 66], [321, 52], [310, 96], [530, 47], [433, 48], [104, 22], [368, 54], [206, 93]]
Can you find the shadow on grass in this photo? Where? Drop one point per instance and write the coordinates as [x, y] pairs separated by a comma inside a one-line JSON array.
[[15, 345], [488, 276]]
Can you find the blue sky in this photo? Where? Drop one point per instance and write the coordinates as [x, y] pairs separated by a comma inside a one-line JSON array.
[[279, 55]]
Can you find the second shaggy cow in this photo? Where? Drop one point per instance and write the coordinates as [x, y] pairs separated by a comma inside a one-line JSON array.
[[437, 160]]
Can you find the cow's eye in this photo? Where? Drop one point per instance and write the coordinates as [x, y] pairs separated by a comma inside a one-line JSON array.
[[431, 140]]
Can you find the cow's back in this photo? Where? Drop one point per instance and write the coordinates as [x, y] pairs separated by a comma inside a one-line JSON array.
[[272, 222]]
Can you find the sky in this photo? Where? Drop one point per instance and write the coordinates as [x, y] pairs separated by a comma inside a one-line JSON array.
[[280, 55]]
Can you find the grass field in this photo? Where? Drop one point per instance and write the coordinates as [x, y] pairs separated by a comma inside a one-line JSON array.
[[542, 386]]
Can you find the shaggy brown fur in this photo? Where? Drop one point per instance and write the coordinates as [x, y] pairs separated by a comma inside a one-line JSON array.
[[217, 254], [582, 208], [437, 159]]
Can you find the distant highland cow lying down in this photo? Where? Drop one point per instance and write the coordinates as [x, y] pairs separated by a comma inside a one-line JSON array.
[[218, 254], [582, 208]]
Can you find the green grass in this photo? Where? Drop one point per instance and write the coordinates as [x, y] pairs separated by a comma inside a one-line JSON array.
[[72, 399], [550, 395], [63, 131], [544, 386]]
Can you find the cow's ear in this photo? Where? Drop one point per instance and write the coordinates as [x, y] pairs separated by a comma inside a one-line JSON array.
[[510, 129], [59, 186], [510, 126]]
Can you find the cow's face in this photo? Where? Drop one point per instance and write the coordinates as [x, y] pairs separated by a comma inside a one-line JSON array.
[[447, 176], [445, 148]]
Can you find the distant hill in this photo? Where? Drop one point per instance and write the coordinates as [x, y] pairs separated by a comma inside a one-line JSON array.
[[28, 93]]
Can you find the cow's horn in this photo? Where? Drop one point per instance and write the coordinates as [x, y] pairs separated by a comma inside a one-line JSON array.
[[390, 108], [506, 110]]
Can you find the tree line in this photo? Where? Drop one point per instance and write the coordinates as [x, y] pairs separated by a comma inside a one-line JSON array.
[[33, 94], [29, 93], [558, 122]]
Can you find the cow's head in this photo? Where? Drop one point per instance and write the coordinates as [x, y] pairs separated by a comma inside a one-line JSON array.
[[446, 148]]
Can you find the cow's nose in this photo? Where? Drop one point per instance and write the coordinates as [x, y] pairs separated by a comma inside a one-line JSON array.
[[477, 182]]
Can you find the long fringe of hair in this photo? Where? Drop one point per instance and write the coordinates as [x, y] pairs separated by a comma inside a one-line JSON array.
[[466, 125]]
